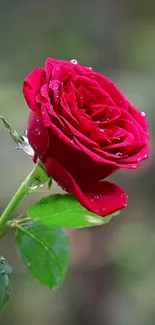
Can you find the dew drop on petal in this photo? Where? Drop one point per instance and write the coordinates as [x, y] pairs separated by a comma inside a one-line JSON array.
[[37, 132], [57, 68], [74, 61], [55, 87], [134, 166], [72, 141], [57, 95], [142, 113], [90, 68], [119, 154], [139, 159]]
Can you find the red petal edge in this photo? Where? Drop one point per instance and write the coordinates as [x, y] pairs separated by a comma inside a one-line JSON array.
[[31, 88], [103, 198]]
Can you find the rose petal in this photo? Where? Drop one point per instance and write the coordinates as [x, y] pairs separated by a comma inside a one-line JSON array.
[[135, 160], [31, 88], [103, 198], [139, 117], [108, 86], [37, 135], [80, 165]]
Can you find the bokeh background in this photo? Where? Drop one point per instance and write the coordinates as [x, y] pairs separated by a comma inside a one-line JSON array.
[[111, 280]]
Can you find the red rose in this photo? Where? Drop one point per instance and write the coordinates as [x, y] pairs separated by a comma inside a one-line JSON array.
[[83, 129]]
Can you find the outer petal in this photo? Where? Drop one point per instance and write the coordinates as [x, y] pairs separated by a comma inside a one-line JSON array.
[[31, 88], [74, 159], [37, 135], [139, 117], [103, 198]]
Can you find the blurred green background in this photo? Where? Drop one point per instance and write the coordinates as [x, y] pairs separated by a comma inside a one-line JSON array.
[[111, 280]]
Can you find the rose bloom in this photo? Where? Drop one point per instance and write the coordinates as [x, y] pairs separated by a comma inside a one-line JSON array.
[[83, 129]]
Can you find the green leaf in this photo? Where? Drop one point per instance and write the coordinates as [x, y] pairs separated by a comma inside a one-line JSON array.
[[45, 251], [65, 211], [5, 269], [20, 140], [4, 290]]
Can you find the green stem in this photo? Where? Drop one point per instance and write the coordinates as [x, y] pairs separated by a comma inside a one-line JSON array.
[[13, 204], [37, 177]]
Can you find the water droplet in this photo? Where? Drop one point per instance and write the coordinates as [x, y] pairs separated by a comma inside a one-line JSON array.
[[90, 68], [25, 132], [142, 113], [37, 119], [33, 187], [123, 195], [57, 95], [119, 154], [72, 141], [55, 87], [125, 205], [57, 67], [94, 220], [145, 156], [97, 211], [98, 196], [101, 130], [2, 260], [134, 166], [139, 159], [126, 156], [104, 208], [74, 61], [37, 131]]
